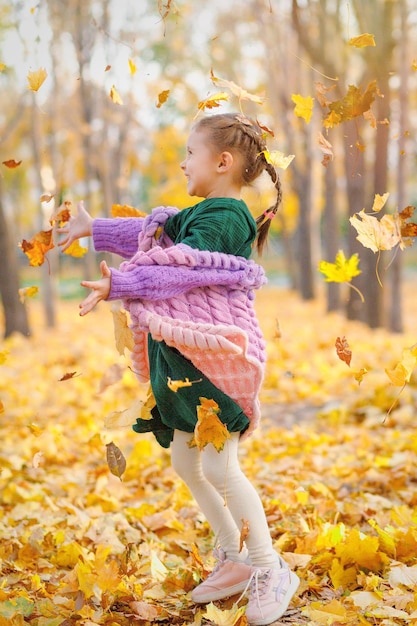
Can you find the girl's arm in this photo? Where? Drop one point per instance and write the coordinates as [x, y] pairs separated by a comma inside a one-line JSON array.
[[119, 235]]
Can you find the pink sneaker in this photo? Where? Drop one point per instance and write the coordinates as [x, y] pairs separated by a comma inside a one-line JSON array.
[[226, 579], [271, 591]]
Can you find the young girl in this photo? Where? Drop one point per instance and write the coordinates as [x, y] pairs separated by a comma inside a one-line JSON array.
[[188, 286]]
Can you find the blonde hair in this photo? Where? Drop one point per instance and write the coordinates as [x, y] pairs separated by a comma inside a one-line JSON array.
[[235, 132]]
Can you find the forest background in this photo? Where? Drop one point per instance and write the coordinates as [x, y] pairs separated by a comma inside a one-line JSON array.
[[98, 100]]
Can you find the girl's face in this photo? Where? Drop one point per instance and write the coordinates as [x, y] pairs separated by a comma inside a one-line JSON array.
[[201, 165]]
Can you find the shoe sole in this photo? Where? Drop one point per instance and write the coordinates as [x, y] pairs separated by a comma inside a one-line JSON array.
[[220, 593], [294, 582]]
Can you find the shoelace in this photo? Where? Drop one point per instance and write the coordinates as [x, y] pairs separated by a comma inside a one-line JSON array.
[[257, 585]]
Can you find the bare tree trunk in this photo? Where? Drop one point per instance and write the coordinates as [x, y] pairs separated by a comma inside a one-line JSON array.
[[331, 237], [47, 269], [395, 320], [15, 314], [355, 188]]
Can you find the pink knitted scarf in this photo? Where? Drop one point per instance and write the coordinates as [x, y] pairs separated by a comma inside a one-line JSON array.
[[214, 324]]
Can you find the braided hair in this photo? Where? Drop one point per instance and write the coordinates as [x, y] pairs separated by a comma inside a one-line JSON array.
[[235, 132]]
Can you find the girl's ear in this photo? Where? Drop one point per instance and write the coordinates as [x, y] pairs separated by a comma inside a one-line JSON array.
[[225, 162]]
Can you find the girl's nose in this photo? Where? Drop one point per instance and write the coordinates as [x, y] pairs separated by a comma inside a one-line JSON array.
[[182, 164]]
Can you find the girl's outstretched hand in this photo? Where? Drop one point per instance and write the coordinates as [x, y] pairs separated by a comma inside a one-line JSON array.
[[79, 226], [100, 289]]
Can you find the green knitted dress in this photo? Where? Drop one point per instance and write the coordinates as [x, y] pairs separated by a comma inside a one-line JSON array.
[[218, 225]]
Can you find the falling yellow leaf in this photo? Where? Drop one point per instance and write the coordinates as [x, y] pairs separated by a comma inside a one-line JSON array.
[[28, 292], [400, 375], [122, 333], [362, 41], [2, 67], [379, 202], [278, 159], [360, 374], [213, 101], [76, 250], [36, 79], [303, 106], [115, 460], [342, 270], [121, 419], [174, 385], [209, 428], [162, 98], [125, 210], [114, 95], [46, 197], [343, 351], [376, 234], [132, 67]]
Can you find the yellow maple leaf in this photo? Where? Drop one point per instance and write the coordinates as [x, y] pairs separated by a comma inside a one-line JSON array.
[[122, 333], [342, 270], [76, 250], [132, 67], [400, 375], [278, 159], [115, 96], [36, 79], [209, 428], [303, 106], [174, 385], [37, 247], [376, 234], [227, 617], [362, 550], [362, 41]]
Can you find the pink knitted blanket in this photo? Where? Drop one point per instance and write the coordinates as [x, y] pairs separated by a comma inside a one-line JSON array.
[[209, 316]]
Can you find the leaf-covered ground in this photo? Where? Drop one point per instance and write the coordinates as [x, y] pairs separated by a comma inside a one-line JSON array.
[[337, 475]]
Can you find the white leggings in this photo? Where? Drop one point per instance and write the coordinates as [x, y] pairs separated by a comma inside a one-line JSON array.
[[226, 497]]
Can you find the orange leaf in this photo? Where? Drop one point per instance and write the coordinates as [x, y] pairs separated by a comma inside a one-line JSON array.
[[37, 247], [68, 376], [11, 163], [124, 210], [162, 98], [244, 532], [343, 351], [362, 41]]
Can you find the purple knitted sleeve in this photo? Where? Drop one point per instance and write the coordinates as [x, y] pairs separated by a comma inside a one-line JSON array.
[[118, 235], [161, 282]]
